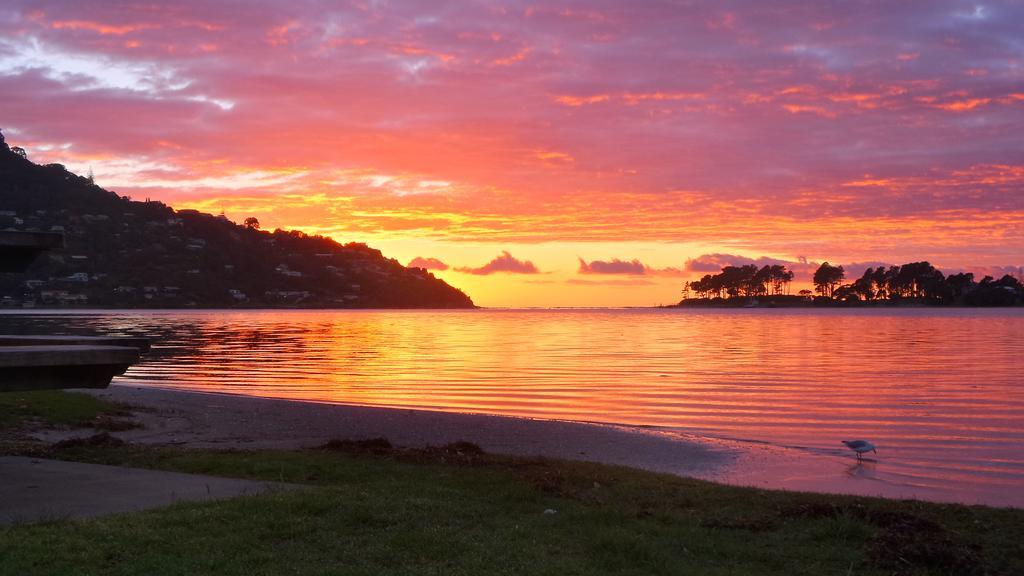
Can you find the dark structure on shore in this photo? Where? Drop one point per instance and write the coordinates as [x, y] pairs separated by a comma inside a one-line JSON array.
[[41, 362]]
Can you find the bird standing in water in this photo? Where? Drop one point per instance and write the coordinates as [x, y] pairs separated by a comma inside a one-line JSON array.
[[860, 447]]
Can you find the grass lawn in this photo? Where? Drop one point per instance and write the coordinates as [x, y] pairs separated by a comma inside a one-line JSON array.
[[375, 510], [51, 407]]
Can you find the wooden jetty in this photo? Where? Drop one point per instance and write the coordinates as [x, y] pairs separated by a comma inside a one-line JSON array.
[[62, 366], [140, 344], [48, 362]]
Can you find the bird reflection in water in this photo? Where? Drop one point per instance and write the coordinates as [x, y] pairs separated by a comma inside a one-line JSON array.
[[863, 469]]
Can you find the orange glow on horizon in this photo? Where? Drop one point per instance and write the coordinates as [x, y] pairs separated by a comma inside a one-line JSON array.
[[553, 133]]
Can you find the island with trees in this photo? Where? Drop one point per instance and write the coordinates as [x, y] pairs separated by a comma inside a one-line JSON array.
[[122, 253], [915, 283]]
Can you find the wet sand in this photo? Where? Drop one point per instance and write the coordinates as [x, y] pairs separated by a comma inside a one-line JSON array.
[[207, 420], [197, 419]]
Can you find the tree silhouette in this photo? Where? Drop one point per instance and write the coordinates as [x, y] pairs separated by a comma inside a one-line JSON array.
[[745, 281], [915, 281], [960, 284], [251, 223], [864, 287], [918, 280], [780, 278], [827, 278]]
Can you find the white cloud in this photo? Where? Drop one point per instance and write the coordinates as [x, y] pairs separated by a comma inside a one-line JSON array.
[[82, 71]]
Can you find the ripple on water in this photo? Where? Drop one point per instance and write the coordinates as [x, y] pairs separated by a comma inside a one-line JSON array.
[[939, 390]]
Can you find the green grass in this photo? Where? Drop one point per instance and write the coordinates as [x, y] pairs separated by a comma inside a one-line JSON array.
[[52, 407], [374, 510]]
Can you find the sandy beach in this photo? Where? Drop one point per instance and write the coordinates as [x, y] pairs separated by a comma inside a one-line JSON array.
[[204, 420], [209, 420]]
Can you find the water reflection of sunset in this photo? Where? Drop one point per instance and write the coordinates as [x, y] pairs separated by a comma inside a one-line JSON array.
[[938, 389]]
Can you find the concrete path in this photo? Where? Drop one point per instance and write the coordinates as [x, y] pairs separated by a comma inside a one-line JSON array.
[[35, 490]]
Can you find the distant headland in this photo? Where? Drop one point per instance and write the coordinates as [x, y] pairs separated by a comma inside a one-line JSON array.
[[121, 253], [912, 284]]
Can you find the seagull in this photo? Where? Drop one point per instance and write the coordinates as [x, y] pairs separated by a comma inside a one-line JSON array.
[[860, 446]]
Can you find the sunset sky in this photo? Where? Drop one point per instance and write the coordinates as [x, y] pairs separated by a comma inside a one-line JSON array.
[[549, 153]]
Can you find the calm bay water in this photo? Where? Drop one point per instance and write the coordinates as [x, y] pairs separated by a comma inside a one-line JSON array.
[[940, 391]]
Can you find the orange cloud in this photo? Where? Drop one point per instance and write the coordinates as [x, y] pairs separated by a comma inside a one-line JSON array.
[[633, 98], [963, 105], [509, 60], [802, 108], [280, 35], [105, 29], [582, 100], [553, 157]]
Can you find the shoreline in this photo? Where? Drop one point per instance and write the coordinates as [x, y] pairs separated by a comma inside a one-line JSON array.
[[768, 302], [696, 305], [199, 419]]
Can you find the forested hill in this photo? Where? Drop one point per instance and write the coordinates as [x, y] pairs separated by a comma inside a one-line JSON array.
[[123, 253]]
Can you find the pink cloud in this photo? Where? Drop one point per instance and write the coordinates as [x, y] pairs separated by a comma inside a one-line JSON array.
[[993, 271], [610, 282], [802, 268], [427, 263], [632, 267], [613, 266], [713, 263], [505, 263]]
